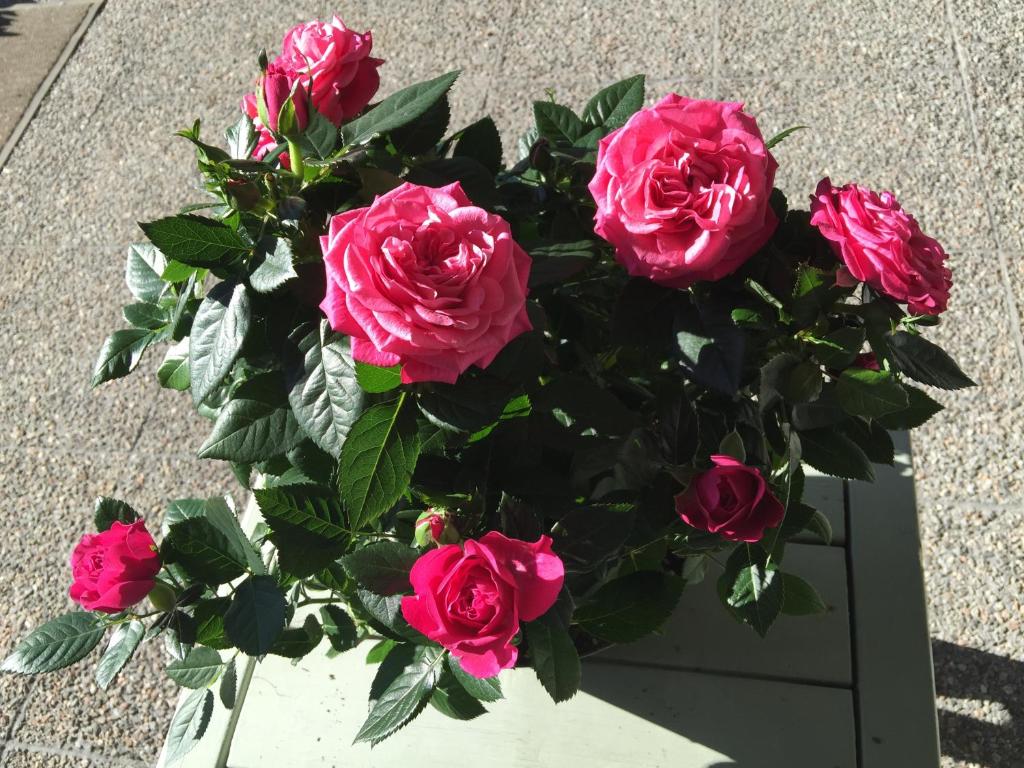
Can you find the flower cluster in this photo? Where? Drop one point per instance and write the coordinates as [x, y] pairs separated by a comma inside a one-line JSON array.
[[466, 397]]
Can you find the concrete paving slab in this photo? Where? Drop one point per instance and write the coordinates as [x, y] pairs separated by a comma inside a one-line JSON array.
[[35, 43], [813, 39], [22, 758]]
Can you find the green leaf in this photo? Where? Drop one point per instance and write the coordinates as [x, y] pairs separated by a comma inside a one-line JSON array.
[[382, 567], [323, 389], [863, 392], [482, 688], [296, 642], [274, 260], [380, 651], [452, 700], [835, 454], [205, 552], [306, 526], [182, 509], [256, 424], [398, 109], [423, 134], [871, 438], [384, 613], [107, 511], [587, 536], [839, 348], [710, 348], [482, 142], [218, 331], [209, 618], [320, 136], [925, 362], [555, 659], [198, 669], [228, 689], [752, 588], [377, 460], [123, 642], [820, 527], [242, 138], [55, 645], [800, 598], [630, 607], [920, 408], [143, 270], [120, 354], [188, 726], [468, 405], [614, 105], [782, 135], [587, 403], [256, 616], [173, 372], [375, 379], [556, 122], [196, 241], [803, 383], [145, 316], [404, 697], [222, 516], [338, 626]]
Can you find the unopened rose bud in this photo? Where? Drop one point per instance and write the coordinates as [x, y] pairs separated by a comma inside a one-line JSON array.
[[162, 597], [434, 527]]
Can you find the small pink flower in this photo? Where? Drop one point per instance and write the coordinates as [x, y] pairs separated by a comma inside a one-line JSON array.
[[424, 279], [471, 599], [882, 245], [730, 499], [114, 569], [682, 190]]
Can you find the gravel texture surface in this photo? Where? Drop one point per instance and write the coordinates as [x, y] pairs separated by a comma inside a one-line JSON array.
[[922, 97]]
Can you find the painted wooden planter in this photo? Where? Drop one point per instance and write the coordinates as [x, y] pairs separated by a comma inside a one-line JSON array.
[[850, 689]]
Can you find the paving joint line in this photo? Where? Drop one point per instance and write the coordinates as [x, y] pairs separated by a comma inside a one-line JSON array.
[[51, 77], [980, 157], [99, 758]]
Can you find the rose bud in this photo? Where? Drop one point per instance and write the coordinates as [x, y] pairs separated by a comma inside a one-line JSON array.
[[730, 499], [471, 599], [866, 360], [287, 102], [114, 569], [435, 527]]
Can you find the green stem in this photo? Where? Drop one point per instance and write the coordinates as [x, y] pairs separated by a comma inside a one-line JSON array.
[[295, 158]]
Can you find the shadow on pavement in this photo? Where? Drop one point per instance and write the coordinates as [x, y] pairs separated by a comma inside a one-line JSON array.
[[966, 673]]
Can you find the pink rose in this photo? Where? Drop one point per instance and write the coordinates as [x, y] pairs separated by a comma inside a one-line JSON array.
[[730, 499], [330, 59], [882, 245], [471, 599], [425, 279], [114, 569], [335, 62], [682, 190]]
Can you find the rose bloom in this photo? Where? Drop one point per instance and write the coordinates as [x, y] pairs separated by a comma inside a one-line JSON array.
[[114, 569], [471, 599], [682, 190], [425, 279], [883, 245], [331, 60], [730, 499]]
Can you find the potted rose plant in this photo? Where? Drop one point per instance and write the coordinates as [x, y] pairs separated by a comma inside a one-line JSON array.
[[477, 405]]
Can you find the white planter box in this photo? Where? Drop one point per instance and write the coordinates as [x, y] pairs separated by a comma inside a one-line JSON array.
[[851, 689]]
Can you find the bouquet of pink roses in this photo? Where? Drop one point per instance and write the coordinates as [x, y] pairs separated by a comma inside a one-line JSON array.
[[492, 416]]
